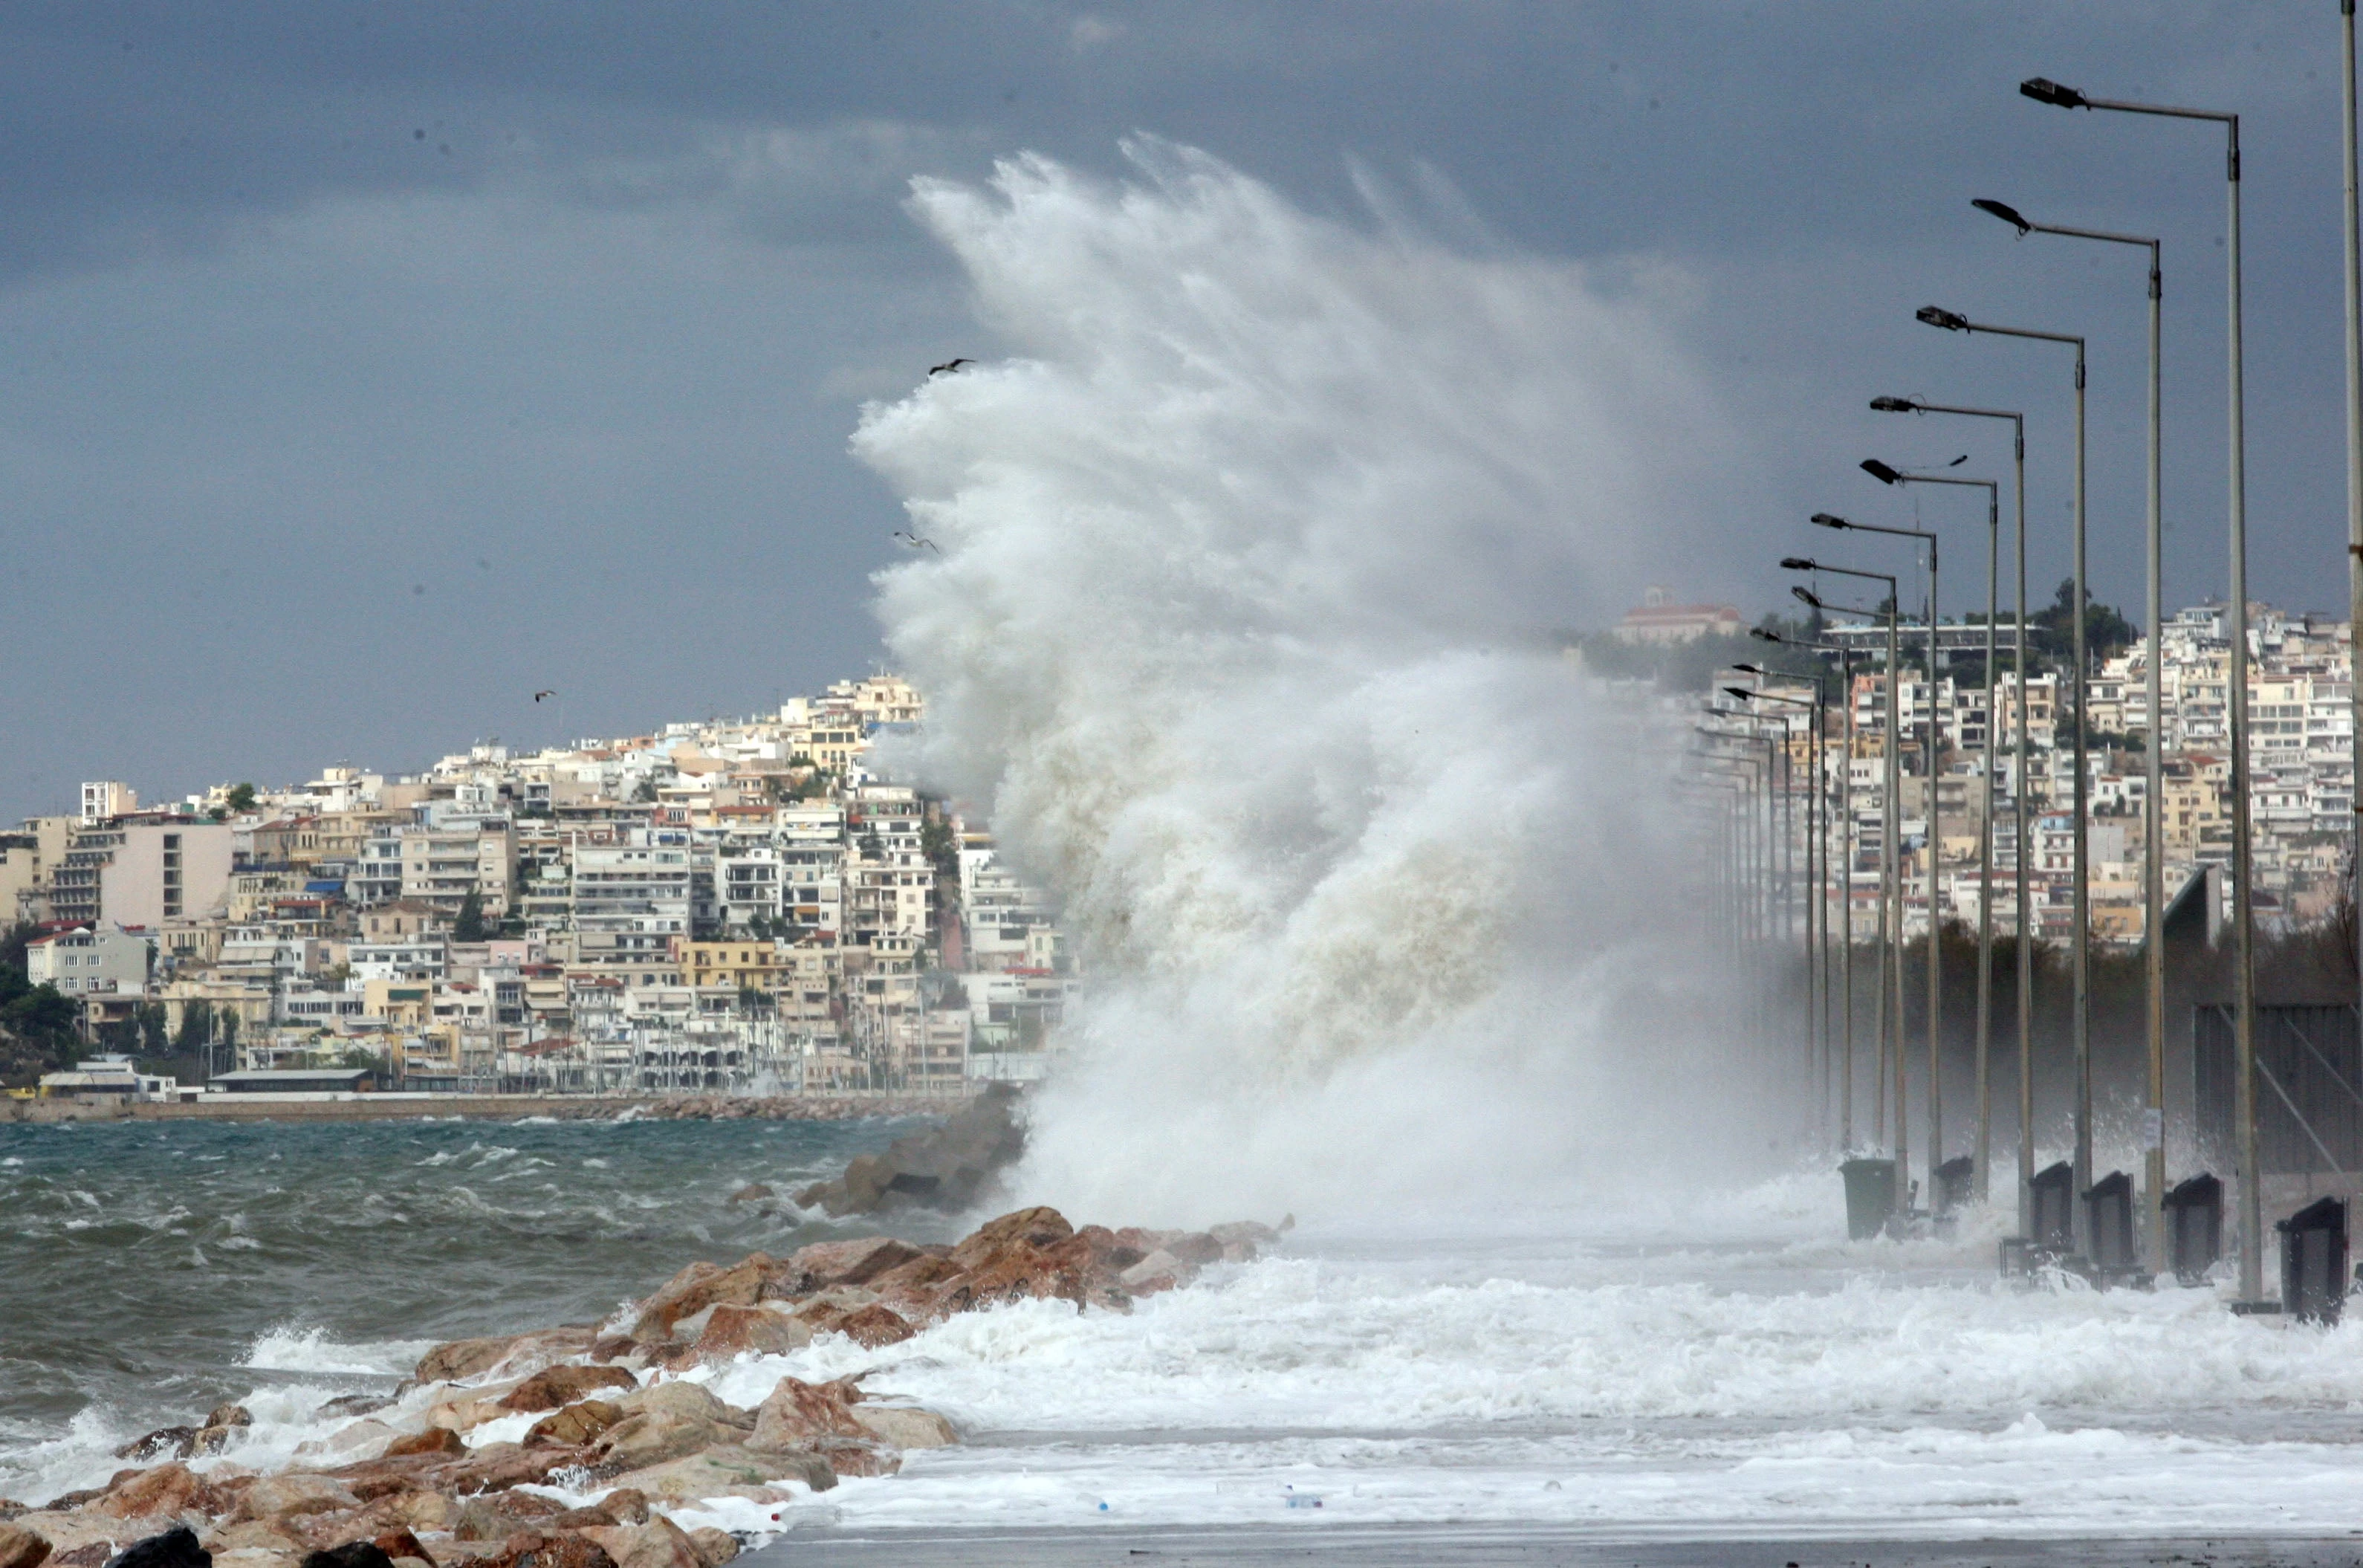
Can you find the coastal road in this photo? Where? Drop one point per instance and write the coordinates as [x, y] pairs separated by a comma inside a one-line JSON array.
[[1482, 1546]]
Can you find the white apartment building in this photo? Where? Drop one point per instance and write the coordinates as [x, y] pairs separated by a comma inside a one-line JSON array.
[[97, 960]]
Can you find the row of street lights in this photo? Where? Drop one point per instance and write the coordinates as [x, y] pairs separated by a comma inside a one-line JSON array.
[[1890, 992]]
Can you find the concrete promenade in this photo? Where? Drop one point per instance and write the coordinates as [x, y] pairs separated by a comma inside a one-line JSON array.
[[1477, 1545]]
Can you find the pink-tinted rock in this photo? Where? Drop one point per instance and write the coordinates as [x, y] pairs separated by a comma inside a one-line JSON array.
[[553, 1386]]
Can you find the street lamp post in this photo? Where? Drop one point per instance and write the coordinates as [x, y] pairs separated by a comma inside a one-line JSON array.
[[1892, 812], [2153, 816], [2354, 238], [2244, 909], [1845, 878], [1936, 842], [1817, 1044], [2081, 963], [1985, 840]]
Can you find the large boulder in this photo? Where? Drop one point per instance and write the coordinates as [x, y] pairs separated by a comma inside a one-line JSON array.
[[905, 1426], [496, 1467], [701, 1285], [1159, 1271], [575, 1424], [872, 1327], [167, 1489], [714, 1547], [564, 1384], [651, 1437], [176, 1547], [914, 1288], [1038, 1227], [825, 1263], [731, 1471], [690, 1399], [562, 1549], [164, 1442], [434, 1439], [947, 1167], [291, 1496], [659, 1544], [517, 1354], [733, 1331], [796, 1414], [21, 1548]]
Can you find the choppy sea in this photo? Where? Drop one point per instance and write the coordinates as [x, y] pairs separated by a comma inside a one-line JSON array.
[[1737, 1369]]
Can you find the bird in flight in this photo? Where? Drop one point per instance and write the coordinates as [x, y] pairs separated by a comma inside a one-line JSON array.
[[915, 541], [948, 367], [539, 696], [1959, 460]]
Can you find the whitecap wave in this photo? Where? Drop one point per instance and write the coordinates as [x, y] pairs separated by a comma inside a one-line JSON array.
[[291, 1349]]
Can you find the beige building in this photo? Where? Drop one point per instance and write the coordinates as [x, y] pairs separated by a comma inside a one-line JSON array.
[[143, 871]]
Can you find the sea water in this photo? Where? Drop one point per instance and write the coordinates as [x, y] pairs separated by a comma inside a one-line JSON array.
[[1730, 1368], [151, 1271]]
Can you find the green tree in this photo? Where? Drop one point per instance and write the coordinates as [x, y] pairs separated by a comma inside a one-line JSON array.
[[937, 843], [2052, 629], [470, 924], [240, 800], [196, 1029], [153, 1036], [36, 1033], [230, 1035]]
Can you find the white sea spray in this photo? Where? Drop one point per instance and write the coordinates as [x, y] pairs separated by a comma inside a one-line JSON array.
[[1252, 548]]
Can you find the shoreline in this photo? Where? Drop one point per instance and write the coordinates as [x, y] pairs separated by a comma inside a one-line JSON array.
[[843, 1107], [1480, 1541], [607, 1444]]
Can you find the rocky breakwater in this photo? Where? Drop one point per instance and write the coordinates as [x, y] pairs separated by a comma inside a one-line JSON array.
[[949, 1167], [572, 1447]]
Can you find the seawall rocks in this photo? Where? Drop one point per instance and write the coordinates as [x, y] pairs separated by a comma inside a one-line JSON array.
[[439, 1479]]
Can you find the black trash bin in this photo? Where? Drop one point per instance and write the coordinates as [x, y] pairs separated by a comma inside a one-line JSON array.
[[2313, 1261], [2109, 1214], [2054, 1221], [2194, 1227], [1870, 1197], [1953, 1182]]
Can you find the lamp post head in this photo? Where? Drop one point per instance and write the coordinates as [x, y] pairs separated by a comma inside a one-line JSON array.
[[1804, 597], [1938, 316], [2043, 90], [2003, 211], [1797, 564], [1747, 669], [1893, 405], [1742, 693], [1761, 635], [1828, 521], [1880, 471]]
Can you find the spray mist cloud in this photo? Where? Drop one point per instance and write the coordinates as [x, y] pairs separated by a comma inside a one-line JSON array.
[[1250, 549]]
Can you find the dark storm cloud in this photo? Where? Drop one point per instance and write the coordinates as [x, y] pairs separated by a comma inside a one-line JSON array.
[[361, 362]]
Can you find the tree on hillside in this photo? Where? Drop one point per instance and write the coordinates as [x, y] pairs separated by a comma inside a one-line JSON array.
[[196, 1029], [2051, 632], [468, 927], [240, 800], [36, 1034]]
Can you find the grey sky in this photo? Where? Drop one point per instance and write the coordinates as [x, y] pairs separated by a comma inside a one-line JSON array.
[[364, 368]]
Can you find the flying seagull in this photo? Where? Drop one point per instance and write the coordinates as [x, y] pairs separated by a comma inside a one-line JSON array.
[[948, 367], [1959, 460], [915, 541], [539, 696]]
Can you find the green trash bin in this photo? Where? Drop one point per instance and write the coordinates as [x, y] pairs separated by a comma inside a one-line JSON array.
[[1870, 1197]]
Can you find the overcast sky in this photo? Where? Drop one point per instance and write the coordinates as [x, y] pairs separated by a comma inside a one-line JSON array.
[[366, 368]]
